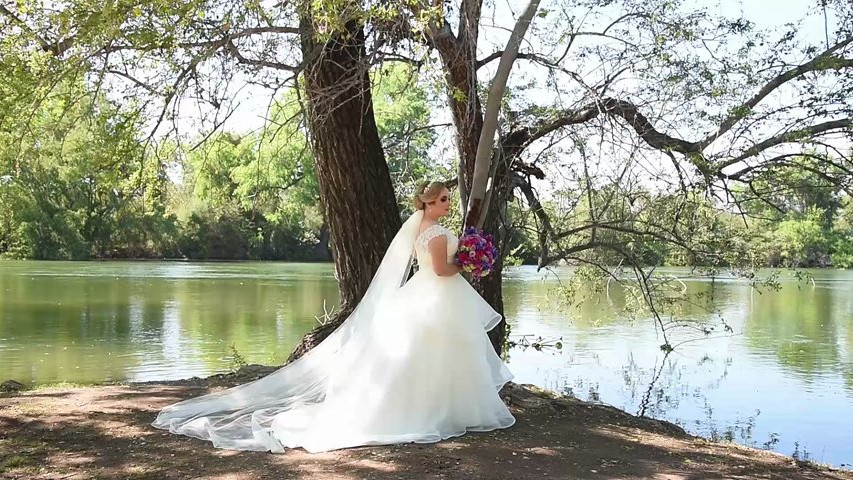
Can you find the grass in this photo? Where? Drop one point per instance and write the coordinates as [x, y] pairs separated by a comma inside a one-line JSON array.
[[56, 386], [66, 385], [21, 456], [13, 462]]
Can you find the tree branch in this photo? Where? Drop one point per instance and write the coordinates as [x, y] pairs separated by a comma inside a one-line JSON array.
[[545, 231], [787, 137], [60, 47], [525, 56], [232, 49], [477, 207], [824, 61], [532, 56], [519, 139], [57, 48], [516, 141], [137, 82], [414, 130]]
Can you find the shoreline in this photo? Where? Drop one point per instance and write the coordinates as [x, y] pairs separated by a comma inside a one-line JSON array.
[[103, 431], [330, 262]]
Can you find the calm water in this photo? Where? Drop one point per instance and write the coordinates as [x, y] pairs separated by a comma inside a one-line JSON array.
[[783, 380]]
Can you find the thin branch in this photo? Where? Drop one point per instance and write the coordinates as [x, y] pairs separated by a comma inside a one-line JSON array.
[[531, 56], [525, 56], [47, 47], [792, 136], [824, 61], [137, 82], [407, 134], [232, 49], [545, 233]]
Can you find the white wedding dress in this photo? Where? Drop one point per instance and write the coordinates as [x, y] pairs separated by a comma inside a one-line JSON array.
[[412, 363]]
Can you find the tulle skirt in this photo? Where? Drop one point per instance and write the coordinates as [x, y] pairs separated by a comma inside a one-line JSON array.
[[422, 371]]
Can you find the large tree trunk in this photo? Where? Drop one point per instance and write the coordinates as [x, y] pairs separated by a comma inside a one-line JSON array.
[[484, 161], [491, 286], [464, 101], [459, 62], [479, 166], [355, 185]]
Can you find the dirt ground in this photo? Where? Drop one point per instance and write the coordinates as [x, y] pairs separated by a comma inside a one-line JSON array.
[[104, 432]]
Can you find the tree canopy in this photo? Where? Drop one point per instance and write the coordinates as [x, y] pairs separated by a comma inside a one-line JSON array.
[[631, 133]]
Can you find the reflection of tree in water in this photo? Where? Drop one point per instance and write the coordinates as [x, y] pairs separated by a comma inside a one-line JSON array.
[[800, 330], [99, 321], [740, 430], [843, 308], [847, 369], [654, 392], [658, 392], [675, 304], [660, 397], [802, 327], [263, 320], [665, 388], [592, 388], [61, 327], [691, 312]]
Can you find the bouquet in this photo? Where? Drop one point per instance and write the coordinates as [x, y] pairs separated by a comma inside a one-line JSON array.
[[477, 252]]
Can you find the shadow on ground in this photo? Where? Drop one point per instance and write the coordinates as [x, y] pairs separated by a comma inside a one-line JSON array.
[[104, 432]]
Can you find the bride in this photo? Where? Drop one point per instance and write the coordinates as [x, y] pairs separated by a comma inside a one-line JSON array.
[[412, 363]]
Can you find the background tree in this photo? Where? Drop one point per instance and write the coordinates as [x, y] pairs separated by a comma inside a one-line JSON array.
[[625, 132], [621, 80], [72, 184], [156, 55]]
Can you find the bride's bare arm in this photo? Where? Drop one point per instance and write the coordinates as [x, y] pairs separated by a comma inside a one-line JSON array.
[[438, 251]]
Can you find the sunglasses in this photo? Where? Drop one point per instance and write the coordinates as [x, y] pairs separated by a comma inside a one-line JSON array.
[[442, 199]]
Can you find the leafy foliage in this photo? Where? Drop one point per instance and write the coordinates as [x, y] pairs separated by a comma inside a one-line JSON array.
[[80, 184]]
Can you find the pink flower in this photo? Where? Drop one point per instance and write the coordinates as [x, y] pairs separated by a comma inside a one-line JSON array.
[[476, 252]]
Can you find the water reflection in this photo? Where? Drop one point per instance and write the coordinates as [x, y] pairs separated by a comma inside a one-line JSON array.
[[783, 379], [146, 321], [807, 347]]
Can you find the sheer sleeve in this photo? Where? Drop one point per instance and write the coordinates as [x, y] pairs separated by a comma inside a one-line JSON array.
[[430, 233]]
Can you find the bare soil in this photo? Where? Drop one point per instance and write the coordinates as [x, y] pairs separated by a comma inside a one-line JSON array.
[[104, 432]]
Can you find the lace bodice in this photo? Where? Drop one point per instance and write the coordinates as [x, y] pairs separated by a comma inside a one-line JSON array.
[[422, 254]]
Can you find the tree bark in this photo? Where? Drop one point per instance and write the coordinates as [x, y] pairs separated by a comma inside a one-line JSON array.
[[355, 185], [460, 69], [461, 79], [484, 160]]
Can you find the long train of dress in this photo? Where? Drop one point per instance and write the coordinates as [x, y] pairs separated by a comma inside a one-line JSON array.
[[413, 363]]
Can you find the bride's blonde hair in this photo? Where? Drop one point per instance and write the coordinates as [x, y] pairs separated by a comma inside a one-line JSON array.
[[426, 192]]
